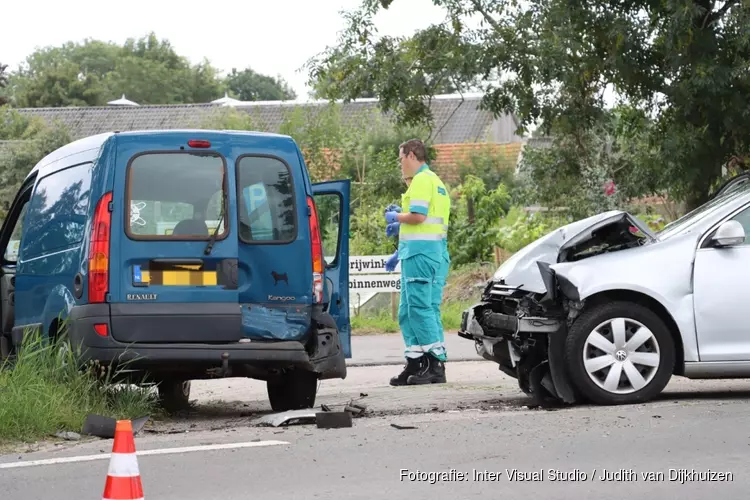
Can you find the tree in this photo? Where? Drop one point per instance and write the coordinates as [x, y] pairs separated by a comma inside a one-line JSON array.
[[3, 84], [682, 63], [31, 139], [247, 85], [146, 70]]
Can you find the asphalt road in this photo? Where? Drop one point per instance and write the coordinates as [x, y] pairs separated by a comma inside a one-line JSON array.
[[693, 427]]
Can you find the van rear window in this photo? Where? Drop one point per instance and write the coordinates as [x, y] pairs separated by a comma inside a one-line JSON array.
[[175, 196], [266, 200]]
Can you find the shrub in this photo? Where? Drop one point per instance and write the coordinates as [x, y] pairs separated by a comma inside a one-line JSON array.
[[520, 228], [475, 217]]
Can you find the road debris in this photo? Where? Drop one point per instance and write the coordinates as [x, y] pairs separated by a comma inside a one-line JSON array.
[[403, 427], [69, 436], [288, 417], [333, 419], [356, 410], [104, 427]]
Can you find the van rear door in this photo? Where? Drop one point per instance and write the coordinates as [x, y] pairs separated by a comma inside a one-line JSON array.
[[332, 203], [275, 269], [174, 279]]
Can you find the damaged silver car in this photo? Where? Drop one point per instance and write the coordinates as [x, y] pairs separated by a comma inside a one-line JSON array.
[[604, 310]]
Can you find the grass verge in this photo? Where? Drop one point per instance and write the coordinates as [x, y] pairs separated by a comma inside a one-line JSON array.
[[43, 391], [459, 293], [368, 324]]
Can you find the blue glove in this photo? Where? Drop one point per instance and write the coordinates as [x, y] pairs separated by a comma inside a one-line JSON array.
[[391, 217], [392, 208], [392, 229], [392, 262]]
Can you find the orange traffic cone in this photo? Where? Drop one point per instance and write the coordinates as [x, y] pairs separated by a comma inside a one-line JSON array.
[[123, 478]]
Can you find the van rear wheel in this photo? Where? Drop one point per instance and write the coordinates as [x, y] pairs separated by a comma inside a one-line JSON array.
[[292, 390], [174, 394], [4, 347]]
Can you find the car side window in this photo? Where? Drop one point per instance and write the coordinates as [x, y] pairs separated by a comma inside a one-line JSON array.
[[744, 219]]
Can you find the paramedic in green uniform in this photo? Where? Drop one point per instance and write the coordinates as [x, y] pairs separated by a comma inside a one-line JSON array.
[[422, 225]]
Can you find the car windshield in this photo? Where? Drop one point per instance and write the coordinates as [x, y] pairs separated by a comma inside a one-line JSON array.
[[702, 211]]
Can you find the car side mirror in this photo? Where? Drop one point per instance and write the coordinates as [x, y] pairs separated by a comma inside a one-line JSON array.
[[730, 233]]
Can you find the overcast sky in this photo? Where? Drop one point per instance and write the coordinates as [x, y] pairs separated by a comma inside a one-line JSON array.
[[273, 37]]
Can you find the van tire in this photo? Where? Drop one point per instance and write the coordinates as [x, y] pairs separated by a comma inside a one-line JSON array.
[[292, 390], [174, 394], [6, 348]]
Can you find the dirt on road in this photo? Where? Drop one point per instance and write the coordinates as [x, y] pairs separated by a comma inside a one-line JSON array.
[[226, 403], [231, 403]]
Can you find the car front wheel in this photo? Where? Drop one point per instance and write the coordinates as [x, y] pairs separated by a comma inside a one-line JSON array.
[[619, 353]]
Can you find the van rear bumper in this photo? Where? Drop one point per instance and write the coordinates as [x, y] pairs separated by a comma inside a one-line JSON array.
[[323, 355]]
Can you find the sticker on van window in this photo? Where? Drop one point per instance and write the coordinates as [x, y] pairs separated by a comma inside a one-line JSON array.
[[135, 213]]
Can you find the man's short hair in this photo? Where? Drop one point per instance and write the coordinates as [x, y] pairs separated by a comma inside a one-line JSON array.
[[414, 146]]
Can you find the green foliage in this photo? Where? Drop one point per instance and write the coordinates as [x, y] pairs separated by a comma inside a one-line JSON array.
[[493, 168], [683, 63], [382, 321], [44, 390], [3, 84], [146, 70], [572, 173], [519, 228], [476, 212], [30, 141], [247, 85]]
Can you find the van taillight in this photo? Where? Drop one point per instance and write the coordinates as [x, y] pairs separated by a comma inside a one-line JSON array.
[[99, 253], [316, 244]]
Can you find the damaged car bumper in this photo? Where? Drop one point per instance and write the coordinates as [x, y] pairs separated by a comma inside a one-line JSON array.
[[500, 343], [528, 348]]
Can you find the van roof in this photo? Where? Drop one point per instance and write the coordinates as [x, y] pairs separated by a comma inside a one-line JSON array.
[[94, 143]]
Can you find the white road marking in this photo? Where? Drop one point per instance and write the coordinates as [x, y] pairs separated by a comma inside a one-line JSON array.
[[161, 451]]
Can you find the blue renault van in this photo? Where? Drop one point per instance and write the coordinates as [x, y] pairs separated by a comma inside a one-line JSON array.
[[186, 255]]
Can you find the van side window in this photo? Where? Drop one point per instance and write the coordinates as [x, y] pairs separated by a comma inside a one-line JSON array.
[[14, 244], [266, 206], [175, 196], [58, 211]]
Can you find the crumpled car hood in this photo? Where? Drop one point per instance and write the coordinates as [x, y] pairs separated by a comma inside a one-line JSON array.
[[521, 269]]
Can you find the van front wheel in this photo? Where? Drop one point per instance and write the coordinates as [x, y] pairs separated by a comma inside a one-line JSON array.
[[292, 390]]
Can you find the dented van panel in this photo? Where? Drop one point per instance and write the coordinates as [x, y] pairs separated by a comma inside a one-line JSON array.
[[275, 322]]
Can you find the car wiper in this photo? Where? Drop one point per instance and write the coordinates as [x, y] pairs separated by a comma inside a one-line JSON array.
[[212, 240]]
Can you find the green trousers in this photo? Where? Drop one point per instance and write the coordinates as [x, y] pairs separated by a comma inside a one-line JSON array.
[[422, 282]]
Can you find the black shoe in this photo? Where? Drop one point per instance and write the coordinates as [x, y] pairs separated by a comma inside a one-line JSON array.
[[412, 367], [432, 372]]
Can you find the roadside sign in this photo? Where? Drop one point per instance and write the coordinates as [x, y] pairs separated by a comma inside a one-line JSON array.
[[375, 283], [371, 264], [367, 275]]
